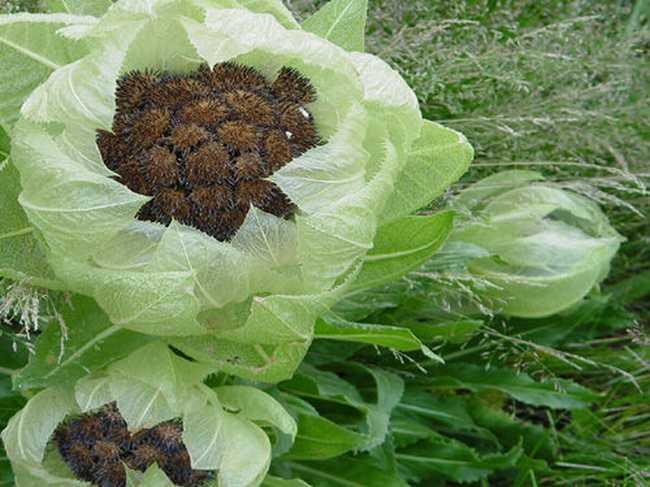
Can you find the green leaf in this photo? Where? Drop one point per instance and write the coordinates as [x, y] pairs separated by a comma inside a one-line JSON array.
[[78, 7], [5, 145], [436, 160], [562, 394], [342, 22], [332, 327], [403, 245], [10, 401], [319, 438], [30, 50], [358, 471], [151, 385], [153, 477], [536, 441], [91, 342], [547, 247], [22, 256], [454, 460], [271, 481], [326, 386], [499, 183]]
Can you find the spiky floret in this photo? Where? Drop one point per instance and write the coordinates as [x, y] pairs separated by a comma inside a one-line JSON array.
[[97, 446], [201, 144]]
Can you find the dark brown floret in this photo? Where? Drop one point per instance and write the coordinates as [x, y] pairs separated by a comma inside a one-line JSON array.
[[240, 135], [250, 107], [201, 144], [97, 446], [208, 165], [212, 198], [162, 167], [187, 136], [150, 126], [231, 76], [205, 112], [290, 85], [133, 89], [278, 149], [112, 148], [250, 165], [131, 176], [173, 203]]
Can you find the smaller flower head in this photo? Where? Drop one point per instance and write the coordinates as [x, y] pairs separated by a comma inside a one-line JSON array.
[[148, 415], [96, 447]]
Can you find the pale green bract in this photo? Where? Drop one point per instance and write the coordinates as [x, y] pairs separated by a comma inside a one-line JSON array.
[[249, 305], [541, 247], [221, 426]]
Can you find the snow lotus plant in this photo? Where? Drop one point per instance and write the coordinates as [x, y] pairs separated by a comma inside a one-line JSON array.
[[211, 171], [147, 420], [542, 248]]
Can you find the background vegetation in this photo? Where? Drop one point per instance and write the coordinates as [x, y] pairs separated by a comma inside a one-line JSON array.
[[556, 86]]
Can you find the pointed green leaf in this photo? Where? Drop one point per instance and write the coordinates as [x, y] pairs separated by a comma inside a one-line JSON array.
[[401, 246], [319, 438], [454, 460], [22, 255], [437, 159], [91, 343], [271, 481], [342, 22], [562, 394]]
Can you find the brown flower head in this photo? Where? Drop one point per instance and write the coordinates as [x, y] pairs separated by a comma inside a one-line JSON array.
[[201, 144]]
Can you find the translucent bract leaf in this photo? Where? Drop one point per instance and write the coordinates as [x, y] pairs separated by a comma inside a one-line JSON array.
[[247, 464], [31, 51], [78, 7], [342, 22], [257, 406], [202, 435], [27, 433], [274, 7]]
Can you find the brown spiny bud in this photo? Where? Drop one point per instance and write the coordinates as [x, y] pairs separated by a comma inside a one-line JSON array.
[[290, 85], [205, 112], [296, 121], [174, 203], [150, 126], [208, 165], [212, 198], [250, 107], [87, 446], [250, 165], [232, 76], [240, 135], [187, 136], [132, 90], [278, 150], [161, 167]]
